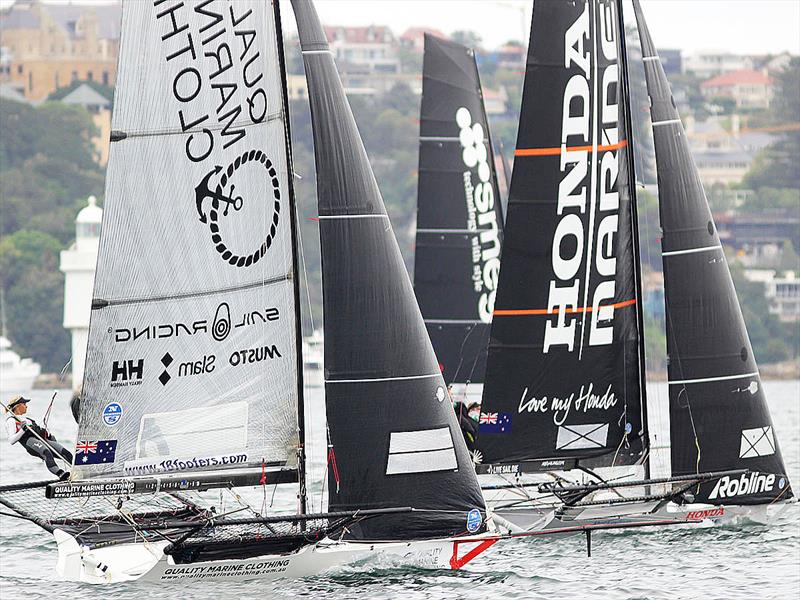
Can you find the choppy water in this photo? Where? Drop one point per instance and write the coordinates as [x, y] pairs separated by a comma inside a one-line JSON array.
[[748, 562]]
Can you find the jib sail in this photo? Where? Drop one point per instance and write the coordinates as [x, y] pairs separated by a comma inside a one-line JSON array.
[[459, 215], [193, 340], [563, 375], [719, 417], [393, 432]]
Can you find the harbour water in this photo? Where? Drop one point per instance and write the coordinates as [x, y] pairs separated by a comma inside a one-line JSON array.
[[752, 561]]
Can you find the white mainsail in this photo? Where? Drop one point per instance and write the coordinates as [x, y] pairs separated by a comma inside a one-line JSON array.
[[192, 359]]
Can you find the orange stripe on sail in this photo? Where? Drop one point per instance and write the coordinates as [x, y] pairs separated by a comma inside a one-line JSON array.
[[559, 150], [543, 311]]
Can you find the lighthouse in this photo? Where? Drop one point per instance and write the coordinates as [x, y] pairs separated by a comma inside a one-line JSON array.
[[78, 265]]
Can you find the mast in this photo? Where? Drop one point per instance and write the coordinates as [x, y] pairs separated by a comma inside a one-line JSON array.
[[719, 418], [637, 259], [301, 419]]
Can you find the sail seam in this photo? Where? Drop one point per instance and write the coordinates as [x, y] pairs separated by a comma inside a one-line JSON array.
[[649, 58], [276, 116], [691, 250], [560, 149], [708, 379], [434, 138], [456, 321], [475, 231], [666, 122], [379, 216], [318, 52], [545, 311], [99, 303], [383, 378]]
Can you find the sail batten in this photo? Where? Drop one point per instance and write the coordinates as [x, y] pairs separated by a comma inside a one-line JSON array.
[[719, 418], [564, 377], [193, 341]]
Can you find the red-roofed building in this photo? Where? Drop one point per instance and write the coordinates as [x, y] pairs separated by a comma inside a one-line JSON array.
[[748, 88], [414, 38], [374, 47]]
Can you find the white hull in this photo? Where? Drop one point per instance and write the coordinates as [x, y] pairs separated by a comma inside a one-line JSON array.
[[18, 382], [147, 561], [533, 519]]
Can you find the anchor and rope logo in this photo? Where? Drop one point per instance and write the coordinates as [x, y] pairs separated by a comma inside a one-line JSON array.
[[223, 199]]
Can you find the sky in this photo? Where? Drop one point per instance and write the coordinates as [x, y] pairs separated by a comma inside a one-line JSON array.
[[738, 26]]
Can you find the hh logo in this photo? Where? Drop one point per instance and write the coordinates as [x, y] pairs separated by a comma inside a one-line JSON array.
[[127, 372]]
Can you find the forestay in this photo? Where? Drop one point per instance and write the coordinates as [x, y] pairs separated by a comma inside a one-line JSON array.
[[192, 344], [459, 214], [563, 374], [393, 433], [719, 418]]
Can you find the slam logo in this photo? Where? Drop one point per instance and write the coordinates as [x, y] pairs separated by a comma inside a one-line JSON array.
[[588, 202], [481, 214]]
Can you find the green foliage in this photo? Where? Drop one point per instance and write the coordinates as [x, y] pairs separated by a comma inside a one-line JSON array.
[[106, 91], [776, 165], [47, 172], [772, 340], [470, 39], [772, 199], [34, 297]]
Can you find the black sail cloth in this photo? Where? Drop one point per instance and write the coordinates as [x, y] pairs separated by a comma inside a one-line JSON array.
[[563, 378], [719, 417], [392, 427], [459, 215]]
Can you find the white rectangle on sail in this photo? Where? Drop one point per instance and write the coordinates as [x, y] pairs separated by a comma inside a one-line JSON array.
[[581, 437], [421, 451], [207, 430], [757, 442]]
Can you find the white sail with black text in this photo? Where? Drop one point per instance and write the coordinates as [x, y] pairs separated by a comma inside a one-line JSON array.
[[459, 215], [193, 344]]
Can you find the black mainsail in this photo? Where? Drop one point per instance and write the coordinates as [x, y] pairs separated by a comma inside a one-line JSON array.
[[194, 342], [459, 214], [392, 429], [564, 376], [719, 417]]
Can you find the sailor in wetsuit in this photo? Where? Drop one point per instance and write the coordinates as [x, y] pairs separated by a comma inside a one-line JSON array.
[[36, 440]]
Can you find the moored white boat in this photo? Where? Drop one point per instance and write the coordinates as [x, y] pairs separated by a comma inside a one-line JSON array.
[[16, 374]]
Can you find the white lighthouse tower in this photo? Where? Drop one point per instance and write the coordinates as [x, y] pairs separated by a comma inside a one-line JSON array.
[[78, 265]]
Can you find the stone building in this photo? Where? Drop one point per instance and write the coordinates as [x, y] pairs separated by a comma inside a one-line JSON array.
[[44, 47]]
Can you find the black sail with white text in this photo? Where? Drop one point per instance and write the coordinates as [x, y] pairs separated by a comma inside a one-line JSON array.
[[563, 376], [459, 215]]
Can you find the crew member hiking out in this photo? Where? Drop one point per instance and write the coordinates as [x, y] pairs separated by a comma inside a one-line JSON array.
[[36, 440]]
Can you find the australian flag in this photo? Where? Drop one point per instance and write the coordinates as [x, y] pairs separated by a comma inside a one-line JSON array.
[[95, 453], [495, 423]]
